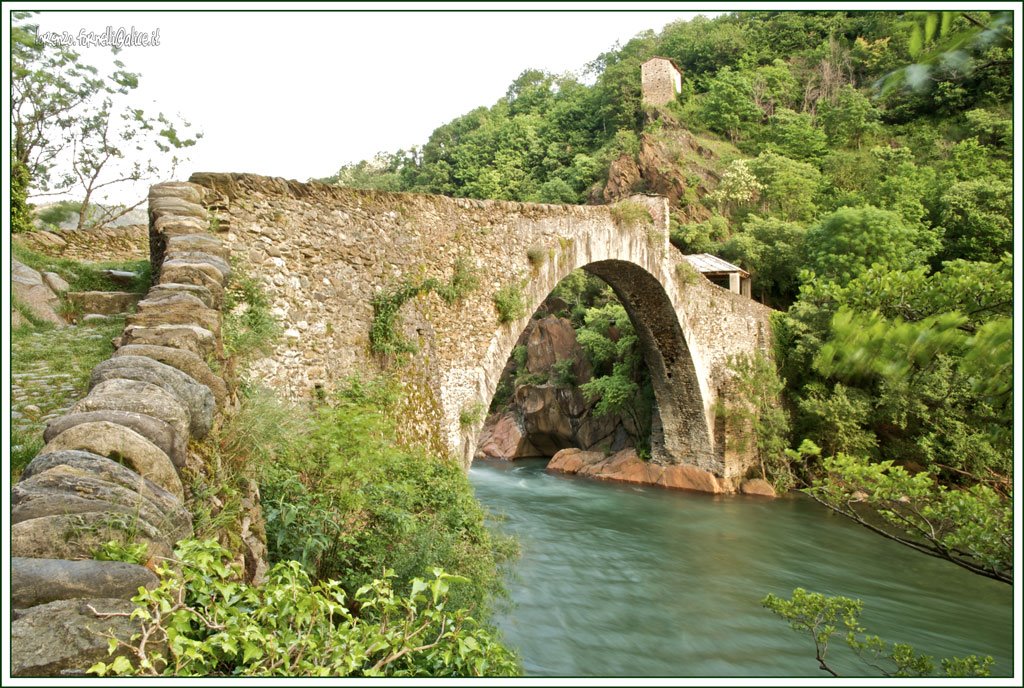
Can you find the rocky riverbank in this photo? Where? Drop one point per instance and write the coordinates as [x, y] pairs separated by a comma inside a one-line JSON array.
[[625, 466]]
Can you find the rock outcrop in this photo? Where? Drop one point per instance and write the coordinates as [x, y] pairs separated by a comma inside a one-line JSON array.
[[547, 411], [626, 466], [29, 288]]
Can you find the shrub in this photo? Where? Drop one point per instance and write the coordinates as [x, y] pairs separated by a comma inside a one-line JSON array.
[[346, 500], [562, 372], [510, 303], [131, 552], [472, 415], [213, 625], [249, 328], [59, 212], [385, 339], [463, 282]]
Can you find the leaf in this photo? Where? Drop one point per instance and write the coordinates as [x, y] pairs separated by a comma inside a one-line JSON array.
[[931, 22], [916, 41]]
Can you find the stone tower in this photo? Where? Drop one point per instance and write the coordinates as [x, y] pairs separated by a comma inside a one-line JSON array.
[[660, 80]]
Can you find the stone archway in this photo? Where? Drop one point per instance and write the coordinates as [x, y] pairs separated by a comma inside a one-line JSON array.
[[324, 253]]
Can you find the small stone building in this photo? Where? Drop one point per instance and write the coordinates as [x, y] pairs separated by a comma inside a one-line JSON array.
[[660, 80], [721, 273]]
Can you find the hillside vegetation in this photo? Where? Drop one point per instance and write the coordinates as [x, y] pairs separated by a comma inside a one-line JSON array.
[[859, 166]]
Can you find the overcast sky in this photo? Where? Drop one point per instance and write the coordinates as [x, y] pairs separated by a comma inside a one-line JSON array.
[[297, 94]]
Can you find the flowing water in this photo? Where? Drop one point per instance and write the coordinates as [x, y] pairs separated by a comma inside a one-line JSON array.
[[619, 580]]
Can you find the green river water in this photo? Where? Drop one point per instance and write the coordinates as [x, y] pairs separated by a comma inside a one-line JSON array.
[[619, 580]]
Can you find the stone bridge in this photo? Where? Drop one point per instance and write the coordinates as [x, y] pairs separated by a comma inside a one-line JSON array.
[[324, 253]]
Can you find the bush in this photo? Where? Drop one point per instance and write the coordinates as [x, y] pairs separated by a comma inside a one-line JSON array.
[[346, 501], [536, 255], [510, 303], [249, 328], [214, 625], [60, 212]]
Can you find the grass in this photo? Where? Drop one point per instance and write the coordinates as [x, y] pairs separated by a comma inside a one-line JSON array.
[[536, 255], [87, 276], [50, 370], [627, 214]]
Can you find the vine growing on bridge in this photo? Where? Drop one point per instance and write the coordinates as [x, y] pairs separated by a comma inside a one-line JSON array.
[[385, 338]]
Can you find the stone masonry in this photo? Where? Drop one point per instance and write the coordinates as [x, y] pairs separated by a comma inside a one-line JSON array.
[[324, 252], [111, 466], [660, 80]]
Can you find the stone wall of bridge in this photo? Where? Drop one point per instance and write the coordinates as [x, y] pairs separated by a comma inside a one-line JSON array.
[[324, 253]]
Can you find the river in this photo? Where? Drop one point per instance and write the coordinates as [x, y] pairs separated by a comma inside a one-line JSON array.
[[619, 580]]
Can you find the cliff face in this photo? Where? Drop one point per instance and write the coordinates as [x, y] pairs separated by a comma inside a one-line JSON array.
[[546, 411], [671, 162]]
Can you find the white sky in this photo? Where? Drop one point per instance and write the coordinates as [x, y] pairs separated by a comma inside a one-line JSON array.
[[297, 94]]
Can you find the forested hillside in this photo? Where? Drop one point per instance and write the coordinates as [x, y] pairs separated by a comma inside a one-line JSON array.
[[859, 166]]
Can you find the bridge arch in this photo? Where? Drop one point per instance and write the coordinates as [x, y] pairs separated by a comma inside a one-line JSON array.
[[680, 430], [324, 253]]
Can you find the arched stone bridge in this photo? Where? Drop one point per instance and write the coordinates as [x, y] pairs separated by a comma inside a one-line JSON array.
[[325, 252]]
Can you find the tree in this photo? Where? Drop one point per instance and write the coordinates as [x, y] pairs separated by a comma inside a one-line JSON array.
[[47, 85], [819, 616], [112, 146], [851, 240], [770, 249], [977, 215], [789, 186], [849, 119], [794, 135], [621, 383], [728, 104], [73, 130]]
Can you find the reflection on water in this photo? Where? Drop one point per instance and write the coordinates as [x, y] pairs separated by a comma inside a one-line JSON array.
[[618, 580]]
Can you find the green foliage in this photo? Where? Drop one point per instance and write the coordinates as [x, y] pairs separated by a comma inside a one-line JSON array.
[[820, 616], [536, 255], [69, 134], [629, 214], [472, 415], [563, 373], [214, 625], [385, 338], [510, 303], [621, 383], [463, 282], [346, 499], [788, 187], [728, 106], [21, 210], [701, 237], [971, 527], [130, 552], [849, 241], [771, 250], [83, 276], [757, 419], [793, 135], [850, 119], [977, 216], [737, 188], [249, 329], [59, 212]]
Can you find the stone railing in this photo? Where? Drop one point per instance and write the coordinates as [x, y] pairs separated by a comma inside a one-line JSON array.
[[111, 467]]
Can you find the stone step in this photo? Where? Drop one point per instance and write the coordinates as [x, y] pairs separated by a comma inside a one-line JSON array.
[[104, 302]]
